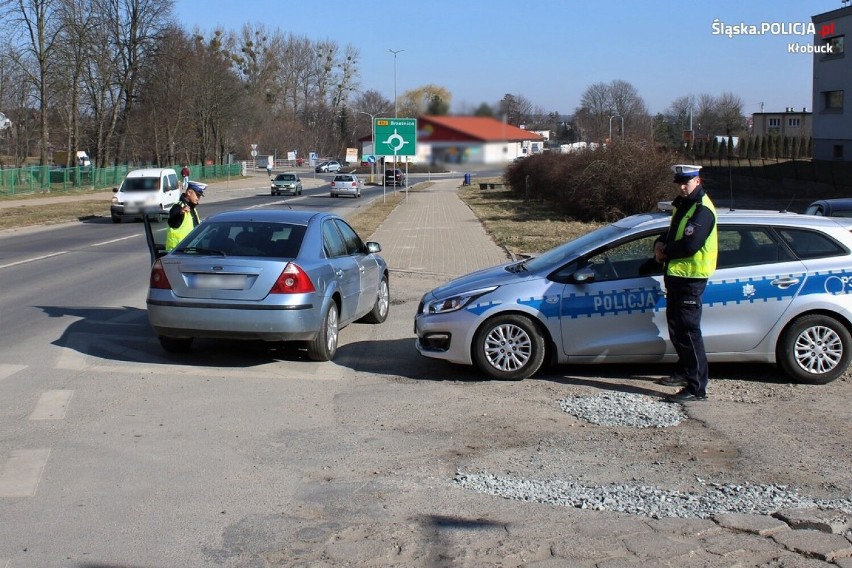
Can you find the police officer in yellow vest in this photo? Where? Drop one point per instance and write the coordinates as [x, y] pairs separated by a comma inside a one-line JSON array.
[[688, 250], [183, 216]]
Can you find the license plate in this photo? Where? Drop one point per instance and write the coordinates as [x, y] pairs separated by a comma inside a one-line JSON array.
[[219, 281]]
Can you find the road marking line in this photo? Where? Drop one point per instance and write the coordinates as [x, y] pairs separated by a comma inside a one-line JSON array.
[[9, 370], [52, 405], [114, 240], [25, 261], [73, 354], [22, 472]]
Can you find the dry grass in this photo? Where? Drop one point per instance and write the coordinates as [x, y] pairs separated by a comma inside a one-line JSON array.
[[52, 213], [523, 227]]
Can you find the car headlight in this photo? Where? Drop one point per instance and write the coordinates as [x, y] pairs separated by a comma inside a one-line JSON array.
[[456, 302]]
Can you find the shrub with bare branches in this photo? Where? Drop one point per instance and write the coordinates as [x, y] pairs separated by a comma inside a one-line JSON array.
[[604, 184]]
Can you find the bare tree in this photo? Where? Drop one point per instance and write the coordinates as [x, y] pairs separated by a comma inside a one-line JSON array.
[[74, 47], [416, 102], [37, 28], [729, 108], [592, 116], [134, 28]]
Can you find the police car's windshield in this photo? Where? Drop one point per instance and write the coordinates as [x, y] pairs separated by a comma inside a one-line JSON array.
[[570, 250]]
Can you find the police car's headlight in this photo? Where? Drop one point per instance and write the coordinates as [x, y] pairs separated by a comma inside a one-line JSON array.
[[454, 303]]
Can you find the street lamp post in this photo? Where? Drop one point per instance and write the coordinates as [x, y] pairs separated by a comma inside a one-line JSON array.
[[395, 111], [395, 52], [622, 126], [373, 134]]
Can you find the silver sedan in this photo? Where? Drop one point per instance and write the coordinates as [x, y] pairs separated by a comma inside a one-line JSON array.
[[781, 294], [270, 275]]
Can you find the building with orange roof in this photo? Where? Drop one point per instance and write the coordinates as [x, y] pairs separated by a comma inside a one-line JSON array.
[[469, 140]]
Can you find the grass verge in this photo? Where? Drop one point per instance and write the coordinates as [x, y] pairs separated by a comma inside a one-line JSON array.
[[521, 226]]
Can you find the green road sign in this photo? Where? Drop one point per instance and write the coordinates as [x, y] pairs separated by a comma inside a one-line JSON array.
[[396, 136]]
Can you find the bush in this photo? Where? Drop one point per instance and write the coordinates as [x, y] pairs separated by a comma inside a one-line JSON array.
[[602, 185]]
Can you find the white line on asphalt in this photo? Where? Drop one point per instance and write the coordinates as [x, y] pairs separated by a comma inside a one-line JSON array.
[[33, 259], [22, 472], [114, 240], [52, 405], [9, 370]]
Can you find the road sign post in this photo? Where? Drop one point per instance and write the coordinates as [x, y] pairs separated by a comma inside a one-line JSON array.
[[396, 137]]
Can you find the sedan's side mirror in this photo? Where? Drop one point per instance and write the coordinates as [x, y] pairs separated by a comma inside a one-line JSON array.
[[373, 247]]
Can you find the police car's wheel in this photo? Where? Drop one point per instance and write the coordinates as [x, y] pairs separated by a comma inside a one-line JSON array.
[[815, 349], [508, 347]]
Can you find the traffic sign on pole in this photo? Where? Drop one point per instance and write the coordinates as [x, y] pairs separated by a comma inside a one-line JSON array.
[[396, 136]]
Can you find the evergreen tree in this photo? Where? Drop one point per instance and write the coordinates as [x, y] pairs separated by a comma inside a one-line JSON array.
[[764, 146], [794, 148], [785, 147]]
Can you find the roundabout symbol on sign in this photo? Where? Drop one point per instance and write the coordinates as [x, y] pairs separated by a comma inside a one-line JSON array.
[[395, 142]]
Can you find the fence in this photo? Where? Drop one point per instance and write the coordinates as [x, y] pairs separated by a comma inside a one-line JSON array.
[[44, 179], [833, 177]]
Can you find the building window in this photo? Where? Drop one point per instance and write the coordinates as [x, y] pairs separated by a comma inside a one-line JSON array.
[[774, 123], [833, 100], [793, 122], [835, 45]]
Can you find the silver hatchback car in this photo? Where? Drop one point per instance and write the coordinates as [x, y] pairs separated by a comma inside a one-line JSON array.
[[274, 275], [781, 294]]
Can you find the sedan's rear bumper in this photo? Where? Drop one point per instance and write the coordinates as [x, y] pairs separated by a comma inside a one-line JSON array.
[[268, 323]]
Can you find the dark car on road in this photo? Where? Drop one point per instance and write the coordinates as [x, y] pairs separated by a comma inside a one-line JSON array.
[[839, 207], [394, 177]]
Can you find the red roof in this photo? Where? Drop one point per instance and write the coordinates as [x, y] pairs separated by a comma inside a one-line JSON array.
[[471, 128]]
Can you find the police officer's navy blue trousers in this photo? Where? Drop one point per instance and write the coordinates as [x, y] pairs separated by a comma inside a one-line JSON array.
[[683, 314]]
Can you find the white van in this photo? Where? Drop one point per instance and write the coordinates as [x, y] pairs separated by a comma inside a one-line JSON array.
[[149, 189]]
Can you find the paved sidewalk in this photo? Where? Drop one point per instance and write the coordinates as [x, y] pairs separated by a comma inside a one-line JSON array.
[[436, 232]]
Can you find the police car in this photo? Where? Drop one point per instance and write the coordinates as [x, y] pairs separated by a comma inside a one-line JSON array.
[[781, 294]]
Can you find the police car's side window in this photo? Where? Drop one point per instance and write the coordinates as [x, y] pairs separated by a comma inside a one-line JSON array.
[[811, 244], [629, 259], [747, 246]]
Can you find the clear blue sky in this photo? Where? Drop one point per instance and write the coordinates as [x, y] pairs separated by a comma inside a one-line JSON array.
[[550, 51]]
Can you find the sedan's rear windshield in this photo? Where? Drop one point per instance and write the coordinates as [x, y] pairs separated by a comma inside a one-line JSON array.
[[271, 240], [141, 184]]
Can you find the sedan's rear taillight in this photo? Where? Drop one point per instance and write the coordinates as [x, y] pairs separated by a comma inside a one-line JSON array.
[[293, 280], [158, 277]]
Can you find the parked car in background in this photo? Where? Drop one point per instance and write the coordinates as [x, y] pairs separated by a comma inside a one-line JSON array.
[[271, 275], [840, 207], [289, 183], [152, 190], [781, 294], [346, 184], [394, 177], [329, 166]]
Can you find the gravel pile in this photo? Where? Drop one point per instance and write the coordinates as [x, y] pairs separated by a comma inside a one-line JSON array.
[[623, 409], [640, 411], [648, 501]]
